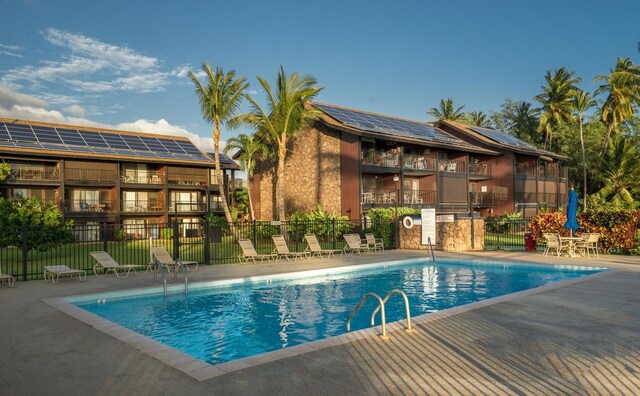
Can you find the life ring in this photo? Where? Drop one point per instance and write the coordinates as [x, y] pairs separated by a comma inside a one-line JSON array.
[[407, 222]]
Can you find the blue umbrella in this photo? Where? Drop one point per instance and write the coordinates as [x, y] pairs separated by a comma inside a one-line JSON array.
[[572, 211]]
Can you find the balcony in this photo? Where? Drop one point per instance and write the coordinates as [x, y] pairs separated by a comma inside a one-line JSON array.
[[387, 159], [142, 206], [419, 162], [547, 198], [89, 205], [373, 196], [184, 206], [90, 175], [187, 180], [563, 173], [480, 171], [526, 197], [482, 199], [142, 178], [419, 197], [24, 172], [390, 197], [528, 169], [453, 166]]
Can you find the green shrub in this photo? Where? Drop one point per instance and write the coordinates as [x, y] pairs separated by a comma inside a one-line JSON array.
[[166, 233], [319, 222], [383, 222], [501, 223]]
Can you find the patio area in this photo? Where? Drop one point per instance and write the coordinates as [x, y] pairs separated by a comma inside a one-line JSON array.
[[577, 338]]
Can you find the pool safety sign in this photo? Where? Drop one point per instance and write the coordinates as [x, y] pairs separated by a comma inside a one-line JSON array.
[[428, 217]]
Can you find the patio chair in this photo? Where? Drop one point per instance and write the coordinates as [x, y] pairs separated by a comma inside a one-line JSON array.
[[8, 278], [105, 262], [163, 257], [316, 250], [250, 253], [590, 243], [282, 250], [355, 245], [54, 272], [555, 243], [375, 243]]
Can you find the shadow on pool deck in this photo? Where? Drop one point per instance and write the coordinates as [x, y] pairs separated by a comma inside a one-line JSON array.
[[580, 338]]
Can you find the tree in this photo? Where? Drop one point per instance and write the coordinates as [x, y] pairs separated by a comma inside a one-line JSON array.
[[582, 102], [249, 147], [219, 101], [622, 86], [286, 116], [619, 172], [46, 225], [5, 171], [517, 118], [446, 111], [479, 119], [557, 102]]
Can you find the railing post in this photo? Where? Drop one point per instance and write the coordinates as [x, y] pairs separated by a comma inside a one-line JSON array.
[[207, 245], [255, 234], [103, 236], [25, 251], [333, 232], [176, 239]]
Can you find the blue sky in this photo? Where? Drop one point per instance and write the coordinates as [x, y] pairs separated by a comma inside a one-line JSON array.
[[124, 63]]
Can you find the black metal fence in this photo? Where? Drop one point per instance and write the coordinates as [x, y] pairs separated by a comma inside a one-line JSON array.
[[202, 242], [506, 234]]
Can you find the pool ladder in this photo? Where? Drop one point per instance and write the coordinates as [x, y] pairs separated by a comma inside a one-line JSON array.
[[433, 256], [380, 308], [164, 282]]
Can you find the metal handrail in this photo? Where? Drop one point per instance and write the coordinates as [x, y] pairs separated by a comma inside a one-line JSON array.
[[433, 256], [409, 329], [381, 306]]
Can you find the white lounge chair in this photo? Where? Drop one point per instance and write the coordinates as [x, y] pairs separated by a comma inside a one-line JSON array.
[[249, 252], [282, 249], [54, 272], [316, 250], [166, 261], [375, 243], [354, 244], [108, 264], [8, 278]]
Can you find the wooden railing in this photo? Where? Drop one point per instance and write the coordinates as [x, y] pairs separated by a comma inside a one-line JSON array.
[[91, 175]]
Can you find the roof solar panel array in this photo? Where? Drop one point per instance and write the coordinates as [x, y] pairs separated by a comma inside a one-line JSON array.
[[503, 138], [106, 143], [389, 125]]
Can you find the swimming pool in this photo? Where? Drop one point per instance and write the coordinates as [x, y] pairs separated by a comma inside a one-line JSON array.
[[226, 320]]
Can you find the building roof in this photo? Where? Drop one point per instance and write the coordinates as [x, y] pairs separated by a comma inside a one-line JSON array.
[[225, 161], [499, 139], [392, 128], [56, 140]]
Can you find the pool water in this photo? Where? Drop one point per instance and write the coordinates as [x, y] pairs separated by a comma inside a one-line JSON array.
[[222, 323]]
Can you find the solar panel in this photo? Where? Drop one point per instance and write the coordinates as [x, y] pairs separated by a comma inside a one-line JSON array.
[[389, 125], [503, 138], [105, 143]]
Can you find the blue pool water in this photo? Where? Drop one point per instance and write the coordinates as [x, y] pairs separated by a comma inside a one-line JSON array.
[[223, 323]]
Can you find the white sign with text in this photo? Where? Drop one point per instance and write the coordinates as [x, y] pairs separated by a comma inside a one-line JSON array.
[[428, 217]]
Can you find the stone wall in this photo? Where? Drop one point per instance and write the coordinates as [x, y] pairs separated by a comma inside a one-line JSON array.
[[312, 174], [450, 237]]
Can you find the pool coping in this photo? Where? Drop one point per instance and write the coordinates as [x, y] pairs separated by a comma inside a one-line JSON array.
[[201, 370]]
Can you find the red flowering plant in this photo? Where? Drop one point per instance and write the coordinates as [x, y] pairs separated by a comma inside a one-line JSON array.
[[552, 223]]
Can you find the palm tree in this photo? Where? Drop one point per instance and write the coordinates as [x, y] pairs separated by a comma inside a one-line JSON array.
[[248, 149], [622, 86], [287, 116], [219, 100], [525, 121], [557, 101], [582, 102], [619, 172], [446, 111], [479, 119]]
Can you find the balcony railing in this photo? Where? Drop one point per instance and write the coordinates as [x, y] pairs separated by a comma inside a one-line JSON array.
[[419, 197], [215, 206], [419, 162], [23, 172], [453, 166], [480, 170], [526, 169], [89, 205], [387, 159], [142, 206], [238, 184], [528, 197], [187, 180], [373, 196], [187, 207], [142, 178], [547, 198], [91, 175], [56, 202], [482, 198]]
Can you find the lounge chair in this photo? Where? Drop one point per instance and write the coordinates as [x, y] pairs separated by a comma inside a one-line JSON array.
[[249, 252], [282, 250], [54, 272], [8, 278], [590, 243], [375, 243], [108, 264], [163, 257], [354, 244], [316, 250]]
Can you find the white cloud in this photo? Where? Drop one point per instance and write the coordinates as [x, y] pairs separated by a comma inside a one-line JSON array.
[[10, 50], [10, 47], [20, 106], [10, 54]]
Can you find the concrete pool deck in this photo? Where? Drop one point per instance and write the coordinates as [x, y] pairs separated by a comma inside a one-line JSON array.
[[582, 337]]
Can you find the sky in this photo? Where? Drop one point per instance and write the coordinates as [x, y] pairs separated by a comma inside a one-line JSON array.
[[123, 64]]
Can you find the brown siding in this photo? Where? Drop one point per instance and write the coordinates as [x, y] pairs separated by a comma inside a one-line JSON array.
[[502, 173], [350, 175], [452, 189]]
